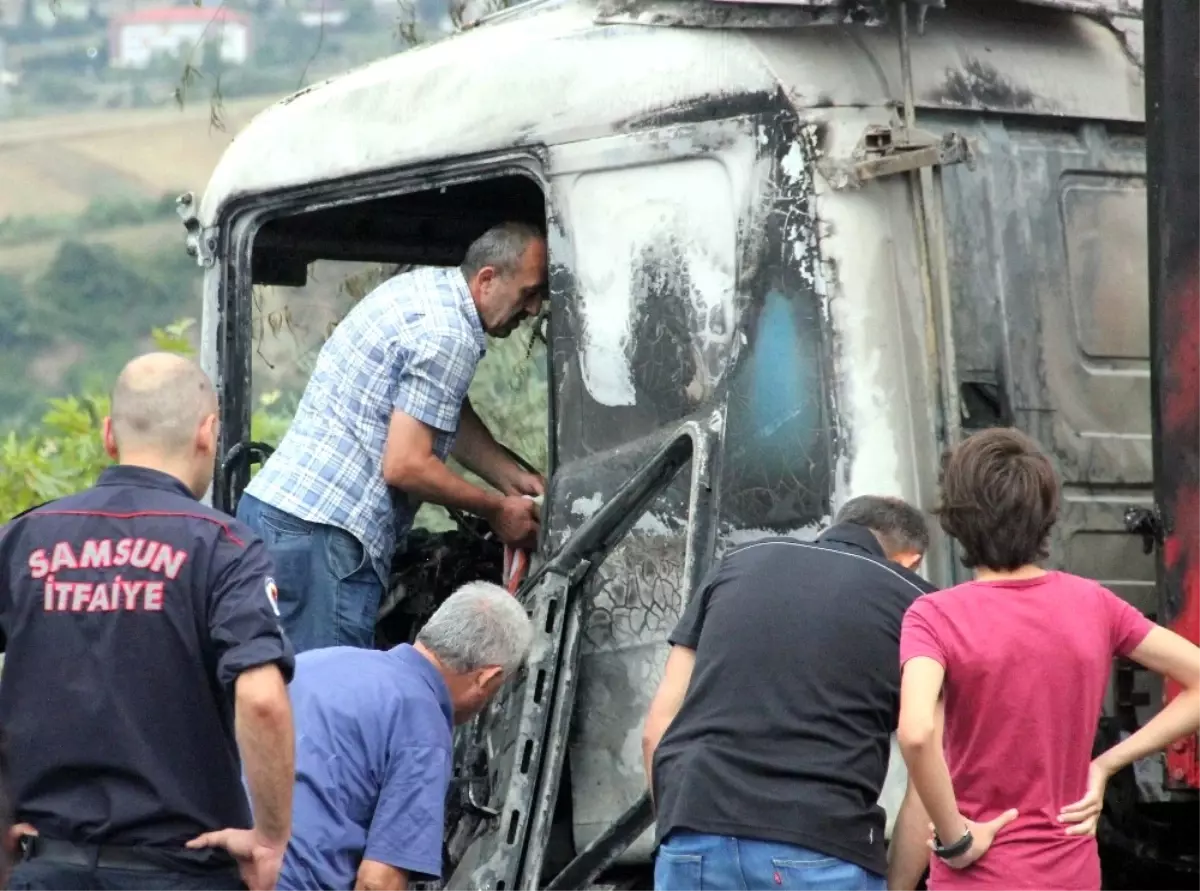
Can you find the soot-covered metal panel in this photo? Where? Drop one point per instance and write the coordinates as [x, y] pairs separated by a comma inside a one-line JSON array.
[[1051, 306], [692, 290]]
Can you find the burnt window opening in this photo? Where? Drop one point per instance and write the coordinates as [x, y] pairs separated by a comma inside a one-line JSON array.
[[310, 269], [421, 228]]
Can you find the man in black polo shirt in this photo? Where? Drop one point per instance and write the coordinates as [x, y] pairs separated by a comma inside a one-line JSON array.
[[143, 652], [767, 742]]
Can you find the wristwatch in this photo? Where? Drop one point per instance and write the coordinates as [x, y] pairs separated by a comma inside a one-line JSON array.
[[949, 852]]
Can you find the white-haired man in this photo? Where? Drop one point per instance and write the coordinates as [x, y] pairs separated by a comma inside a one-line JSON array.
[[373, 741]]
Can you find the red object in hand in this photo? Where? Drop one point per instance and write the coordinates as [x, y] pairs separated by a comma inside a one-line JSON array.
[[516, 564]]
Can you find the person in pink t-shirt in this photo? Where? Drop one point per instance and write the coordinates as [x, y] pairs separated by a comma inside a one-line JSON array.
[[1018, 661]]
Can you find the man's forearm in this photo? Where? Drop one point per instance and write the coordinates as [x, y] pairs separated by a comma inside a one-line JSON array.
[[908, 855], [266, 741], [428, 479], [648, 748], [478, 451], [930, 777], [651, 736]]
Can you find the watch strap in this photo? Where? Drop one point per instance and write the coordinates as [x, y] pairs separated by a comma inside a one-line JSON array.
[[949, 852]]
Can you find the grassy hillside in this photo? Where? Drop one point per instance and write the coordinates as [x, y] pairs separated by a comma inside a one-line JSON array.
[[91, 254], [58, 165]]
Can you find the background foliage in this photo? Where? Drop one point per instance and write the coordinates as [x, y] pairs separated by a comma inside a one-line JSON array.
[[63, 452], [68, 327]]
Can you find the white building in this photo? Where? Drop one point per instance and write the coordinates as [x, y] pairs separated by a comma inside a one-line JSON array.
[[136, 38], [322, 13]]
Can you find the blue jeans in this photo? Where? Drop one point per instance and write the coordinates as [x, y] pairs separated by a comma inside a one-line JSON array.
[[329, 591], [689, 861]]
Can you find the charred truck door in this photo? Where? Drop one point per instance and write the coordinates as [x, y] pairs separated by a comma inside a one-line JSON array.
[[690, 410]]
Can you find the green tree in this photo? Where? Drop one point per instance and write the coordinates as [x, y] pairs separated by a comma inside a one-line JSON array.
[[64, 453], [15, 316], [89, 291]]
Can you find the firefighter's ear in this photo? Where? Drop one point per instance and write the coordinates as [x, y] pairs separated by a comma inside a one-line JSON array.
[[110, 440], [206, 438]]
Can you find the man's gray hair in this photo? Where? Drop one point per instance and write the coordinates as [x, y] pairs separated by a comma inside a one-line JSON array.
[[159, 401], [502, 246], [900, 527], [478, 626]]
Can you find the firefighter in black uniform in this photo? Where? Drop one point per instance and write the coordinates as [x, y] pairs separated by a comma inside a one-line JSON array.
[[143, 652]]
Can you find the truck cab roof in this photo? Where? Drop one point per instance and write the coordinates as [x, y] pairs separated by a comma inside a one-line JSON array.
[[559, 71]]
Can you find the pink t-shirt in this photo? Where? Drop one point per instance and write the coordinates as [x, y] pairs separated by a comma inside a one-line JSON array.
[[1027, 664]]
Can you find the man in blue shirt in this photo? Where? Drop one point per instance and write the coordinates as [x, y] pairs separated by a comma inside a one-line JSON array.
[[385, 406], [373, 741]]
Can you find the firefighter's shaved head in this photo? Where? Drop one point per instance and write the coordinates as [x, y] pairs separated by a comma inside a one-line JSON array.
[[164, 416]]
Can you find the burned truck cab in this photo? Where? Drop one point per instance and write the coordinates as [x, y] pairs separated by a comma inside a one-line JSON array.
[[795, 250]]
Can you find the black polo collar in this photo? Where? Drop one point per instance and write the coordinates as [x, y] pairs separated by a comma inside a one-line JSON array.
[[142, 477], [855, 536]]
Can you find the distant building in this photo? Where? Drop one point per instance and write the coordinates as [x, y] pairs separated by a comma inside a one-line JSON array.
[[49, 14], [12, 13], [136, 38], [321, 13]]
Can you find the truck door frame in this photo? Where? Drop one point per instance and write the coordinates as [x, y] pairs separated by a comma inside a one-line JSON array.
[[240, 222], [513, 852]]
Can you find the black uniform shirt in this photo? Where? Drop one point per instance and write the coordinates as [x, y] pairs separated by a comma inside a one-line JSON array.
[[128, 612], [784, 733]]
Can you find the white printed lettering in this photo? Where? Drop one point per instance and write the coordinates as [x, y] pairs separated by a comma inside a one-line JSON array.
[[152, 600], [143, 553], [38, 564], [63, 589], [83, 592], [64, 557], [168, 561], [121, 557], [96, 554], [107, 596], [98, 595], [99, 601], [131, 590]]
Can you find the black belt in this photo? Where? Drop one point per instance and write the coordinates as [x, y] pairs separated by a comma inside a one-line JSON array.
[[87, 856]]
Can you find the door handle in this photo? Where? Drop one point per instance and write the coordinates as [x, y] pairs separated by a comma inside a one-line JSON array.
[[246, 453]]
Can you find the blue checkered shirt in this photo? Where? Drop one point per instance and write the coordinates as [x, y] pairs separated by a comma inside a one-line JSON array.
[[411, 345]]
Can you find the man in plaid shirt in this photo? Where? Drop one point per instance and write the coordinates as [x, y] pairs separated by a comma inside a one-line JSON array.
[[386, 404]]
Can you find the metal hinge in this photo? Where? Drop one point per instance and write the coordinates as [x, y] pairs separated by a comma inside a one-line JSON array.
[[201, 243], [1146, 522], [886, 151]]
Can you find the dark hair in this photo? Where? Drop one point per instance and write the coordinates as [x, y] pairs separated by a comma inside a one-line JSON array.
[[999, 499], [900, 527], [501, 246]]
